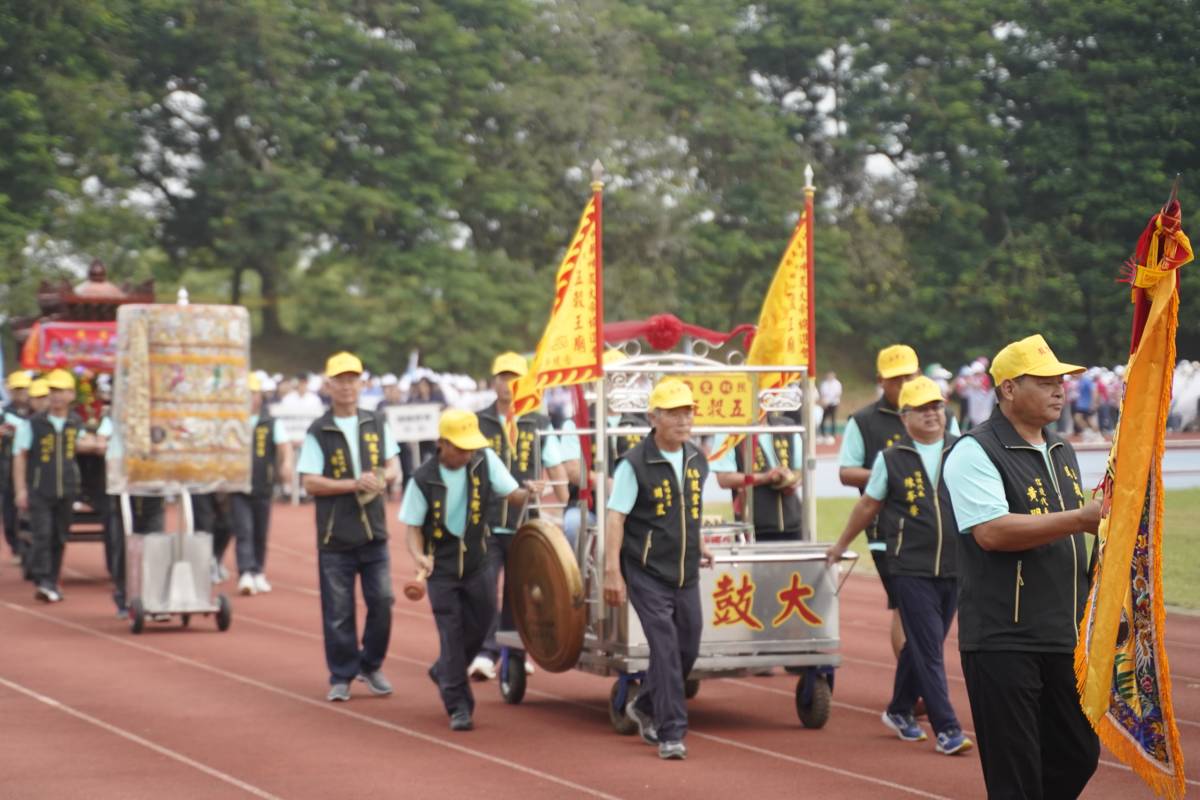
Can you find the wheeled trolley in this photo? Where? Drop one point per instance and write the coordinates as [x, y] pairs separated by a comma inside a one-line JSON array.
[[168, 575], [766, 605]]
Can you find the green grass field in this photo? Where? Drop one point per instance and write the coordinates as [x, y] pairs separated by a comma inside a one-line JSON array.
[[1181, 541]]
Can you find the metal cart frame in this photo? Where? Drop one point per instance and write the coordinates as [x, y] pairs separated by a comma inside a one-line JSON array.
[[757, 630]]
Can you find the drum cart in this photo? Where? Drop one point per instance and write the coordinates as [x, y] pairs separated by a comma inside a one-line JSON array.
[[766, 605]]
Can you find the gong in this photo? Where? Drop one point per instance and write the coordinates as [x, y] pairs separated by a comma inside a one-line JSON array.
[[545, 592]]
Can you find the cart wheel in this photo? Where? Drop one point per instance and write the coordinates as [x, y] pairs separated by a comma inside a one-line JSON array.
[[185, 619], [691, 688], [137, 615], [621, 723], [512, 684], [224, 613], [816, 713]]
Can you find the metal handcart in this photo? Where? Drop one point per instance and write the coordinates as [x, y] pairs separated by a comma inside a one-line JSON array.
[[167, 574], [766, 605]]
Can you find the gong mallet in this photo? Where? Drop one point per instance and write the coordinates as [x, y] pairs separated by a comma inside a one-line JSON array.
[[415, 589]]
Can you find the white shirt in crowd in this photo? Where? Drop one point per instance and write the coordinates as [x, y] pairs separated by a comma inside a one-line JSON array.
[[830, 391]]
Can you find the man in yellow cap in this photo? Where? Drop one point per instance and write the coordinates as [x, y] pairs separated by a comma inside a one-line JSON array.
[[908, 495], [347, 458], [250, 513], [444, 512], [15, 413], [654, 551], [518, 456], [47, 482], [39, 396], [868, 432], [1023, 580]]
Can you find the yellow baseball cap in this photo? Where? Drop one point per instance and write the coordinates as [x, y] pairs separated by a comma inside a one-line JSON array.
[[19, 379], [510, 362], [896, 360], [918, 392], [39, 388], [671, 393], [1029, 356], [253, 382], [461, 429], [61, 379], [341, 363]]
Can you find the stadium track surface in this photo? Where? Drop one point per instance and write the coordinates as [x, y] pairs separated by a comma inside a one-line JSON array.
[[92, 711]]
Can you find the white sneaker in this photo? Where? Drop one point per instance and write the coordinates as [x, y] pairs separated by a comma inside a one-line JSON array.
[[482, 669], [260, 583], [528, 665], [218, 573], [246, 584]]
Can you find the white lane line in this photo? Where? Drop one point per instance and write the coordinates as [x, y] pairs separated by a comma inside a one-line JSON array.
[[875, 713], [58, 705], [691, 732], [321, 704]]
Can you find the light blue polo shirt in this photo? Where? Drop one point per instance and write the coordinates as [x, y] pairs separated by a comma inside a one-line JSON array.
[[312, 460], [624, 485], [976, 488], [931, 456], [728, 460], [853, 451], [415, 505]]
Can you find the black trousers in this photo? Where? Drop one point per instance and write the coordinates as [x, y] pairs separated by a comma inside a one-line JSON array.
[[497, 556], [463, 609], [251, 517], [10, 518], [1034, 742], [149, 516], [927, 607], [672, 621], [50, 521]]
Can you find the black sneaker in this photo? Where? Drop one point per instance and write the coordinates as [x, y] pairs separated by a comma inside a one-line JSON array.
[[461, 721], [644, 722], [433, 675]]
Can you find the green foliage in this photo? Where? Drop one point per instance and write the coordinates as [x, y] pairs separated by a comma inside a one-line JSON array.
[[385, 175]]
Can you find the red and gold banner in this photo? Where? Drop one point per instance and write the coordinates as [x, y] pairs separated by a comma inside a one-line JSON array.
[[1121, 658], [722, 398], [71, 344], [571, 347]]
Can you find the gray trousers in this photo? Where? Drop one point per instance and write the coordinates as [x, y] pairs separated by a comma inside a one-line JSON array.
[[463, 609], [672, 621]]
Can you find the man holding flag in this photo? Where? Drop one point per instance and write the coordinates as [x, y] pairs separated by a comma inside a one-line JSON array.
[[1023, 581]]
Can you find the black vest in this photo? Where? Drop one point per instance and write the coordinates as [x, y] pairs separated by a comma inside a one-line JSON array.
[[519, 458], [50, 464], [776, 515], [662, 531], [1033, 599], [342, 522], [262, 465], [881, 427], [917, 519], [454, 557], [6, 447]]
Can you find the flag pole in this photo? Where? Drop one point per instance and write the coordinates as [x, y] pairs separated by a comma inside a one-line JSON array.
[[810, 383], [585, 493]]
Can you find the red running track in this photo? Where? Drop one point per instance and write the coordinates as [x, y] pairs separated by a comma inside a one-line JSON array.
[[89, 710]]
